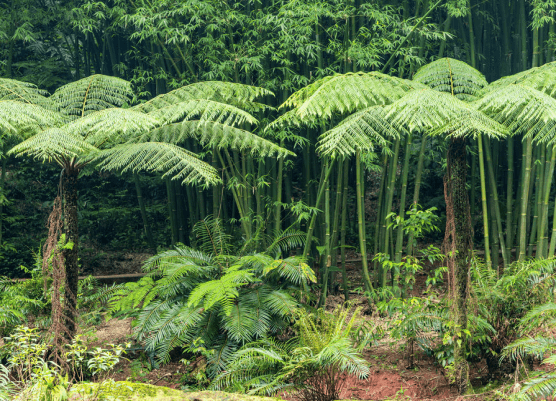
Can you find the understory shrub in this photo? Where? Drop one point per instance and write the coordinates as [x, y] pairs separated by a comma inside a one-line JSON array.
[[498, 302], [29, 376], [210, 296], [312, 364]]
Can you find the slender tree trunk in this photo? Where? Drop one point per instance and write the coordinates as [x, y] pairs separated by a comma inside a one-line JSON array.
[[459, 242], [2, 190], [484, 201], [343, 230], [524, 199], [361, 224]]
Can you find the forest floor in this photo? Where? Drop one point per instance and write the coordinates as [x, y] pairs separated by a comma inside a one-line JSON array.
[[390, 378]]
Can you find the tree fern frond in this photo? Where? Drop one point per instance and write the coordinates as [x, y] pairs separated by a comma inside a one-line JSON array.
[[169, 159], [428, 110], [214, 134], [239, 95], [113, 126], [452, 76], [359, 132], [26, 119], [24, 92], [55, 144], [471, 123], [203, 110], [522, 109], [539, 78], [344, 93], [93, 93]]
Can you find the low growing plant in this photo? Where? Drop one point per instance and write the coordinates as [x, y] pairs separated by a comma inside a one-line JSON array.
[[313, 364]]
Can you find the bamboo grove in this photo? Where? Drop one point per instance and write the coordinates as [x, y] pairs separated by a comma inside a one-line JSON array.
[[285, 46]]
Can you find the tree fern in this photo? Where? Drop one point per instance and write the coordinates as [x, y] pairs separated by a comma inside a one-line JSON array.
[[342, 94], [440, 113], [360, 132], [204, 110], [26, 119], [235, 94], [539, 78], [171, 160], [93, 93], [216, 135], [522, 109], [25, 92], [113, 126], [452, 76]]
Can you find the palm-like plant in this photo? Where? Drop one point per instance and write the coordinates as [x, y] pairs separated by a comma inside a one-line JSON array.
[[311, 362], [338, 96], [523, 103], [209, 295], [537, 341], [89, 124]]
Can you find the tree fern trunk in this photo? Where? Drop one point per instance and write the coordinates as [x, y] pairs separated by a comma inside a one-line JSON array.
[[461, 246]]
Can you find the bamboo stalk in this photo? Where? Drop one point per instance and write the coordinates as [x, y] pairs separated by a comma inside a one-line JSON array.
[[484, 202], [361, 223], [497, 214], [524, 199]]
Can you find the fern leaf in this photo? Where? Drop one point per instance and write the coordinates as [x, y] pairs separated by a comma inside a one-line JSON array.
[[203, 110], [217, 135], [360, 132], [90, 94], [24, 92], [168, 159], [113, 126], [522, 109], [225, 92], [452, 76], [24, 119], [55, 144]]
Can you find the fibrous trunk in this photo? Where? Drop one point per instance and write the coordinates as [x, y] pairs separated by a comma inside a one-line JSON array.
[[458, 244]]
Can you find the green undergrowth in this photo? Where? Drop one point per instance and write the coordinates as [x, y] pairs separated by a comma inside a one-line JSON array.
[[125, 390]]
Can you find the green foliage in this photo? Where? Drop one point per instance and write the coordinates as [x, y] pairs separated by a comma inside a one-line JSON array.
[[210, 295], [452, 76], [537, 341], [309, 363], [28, 377]]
